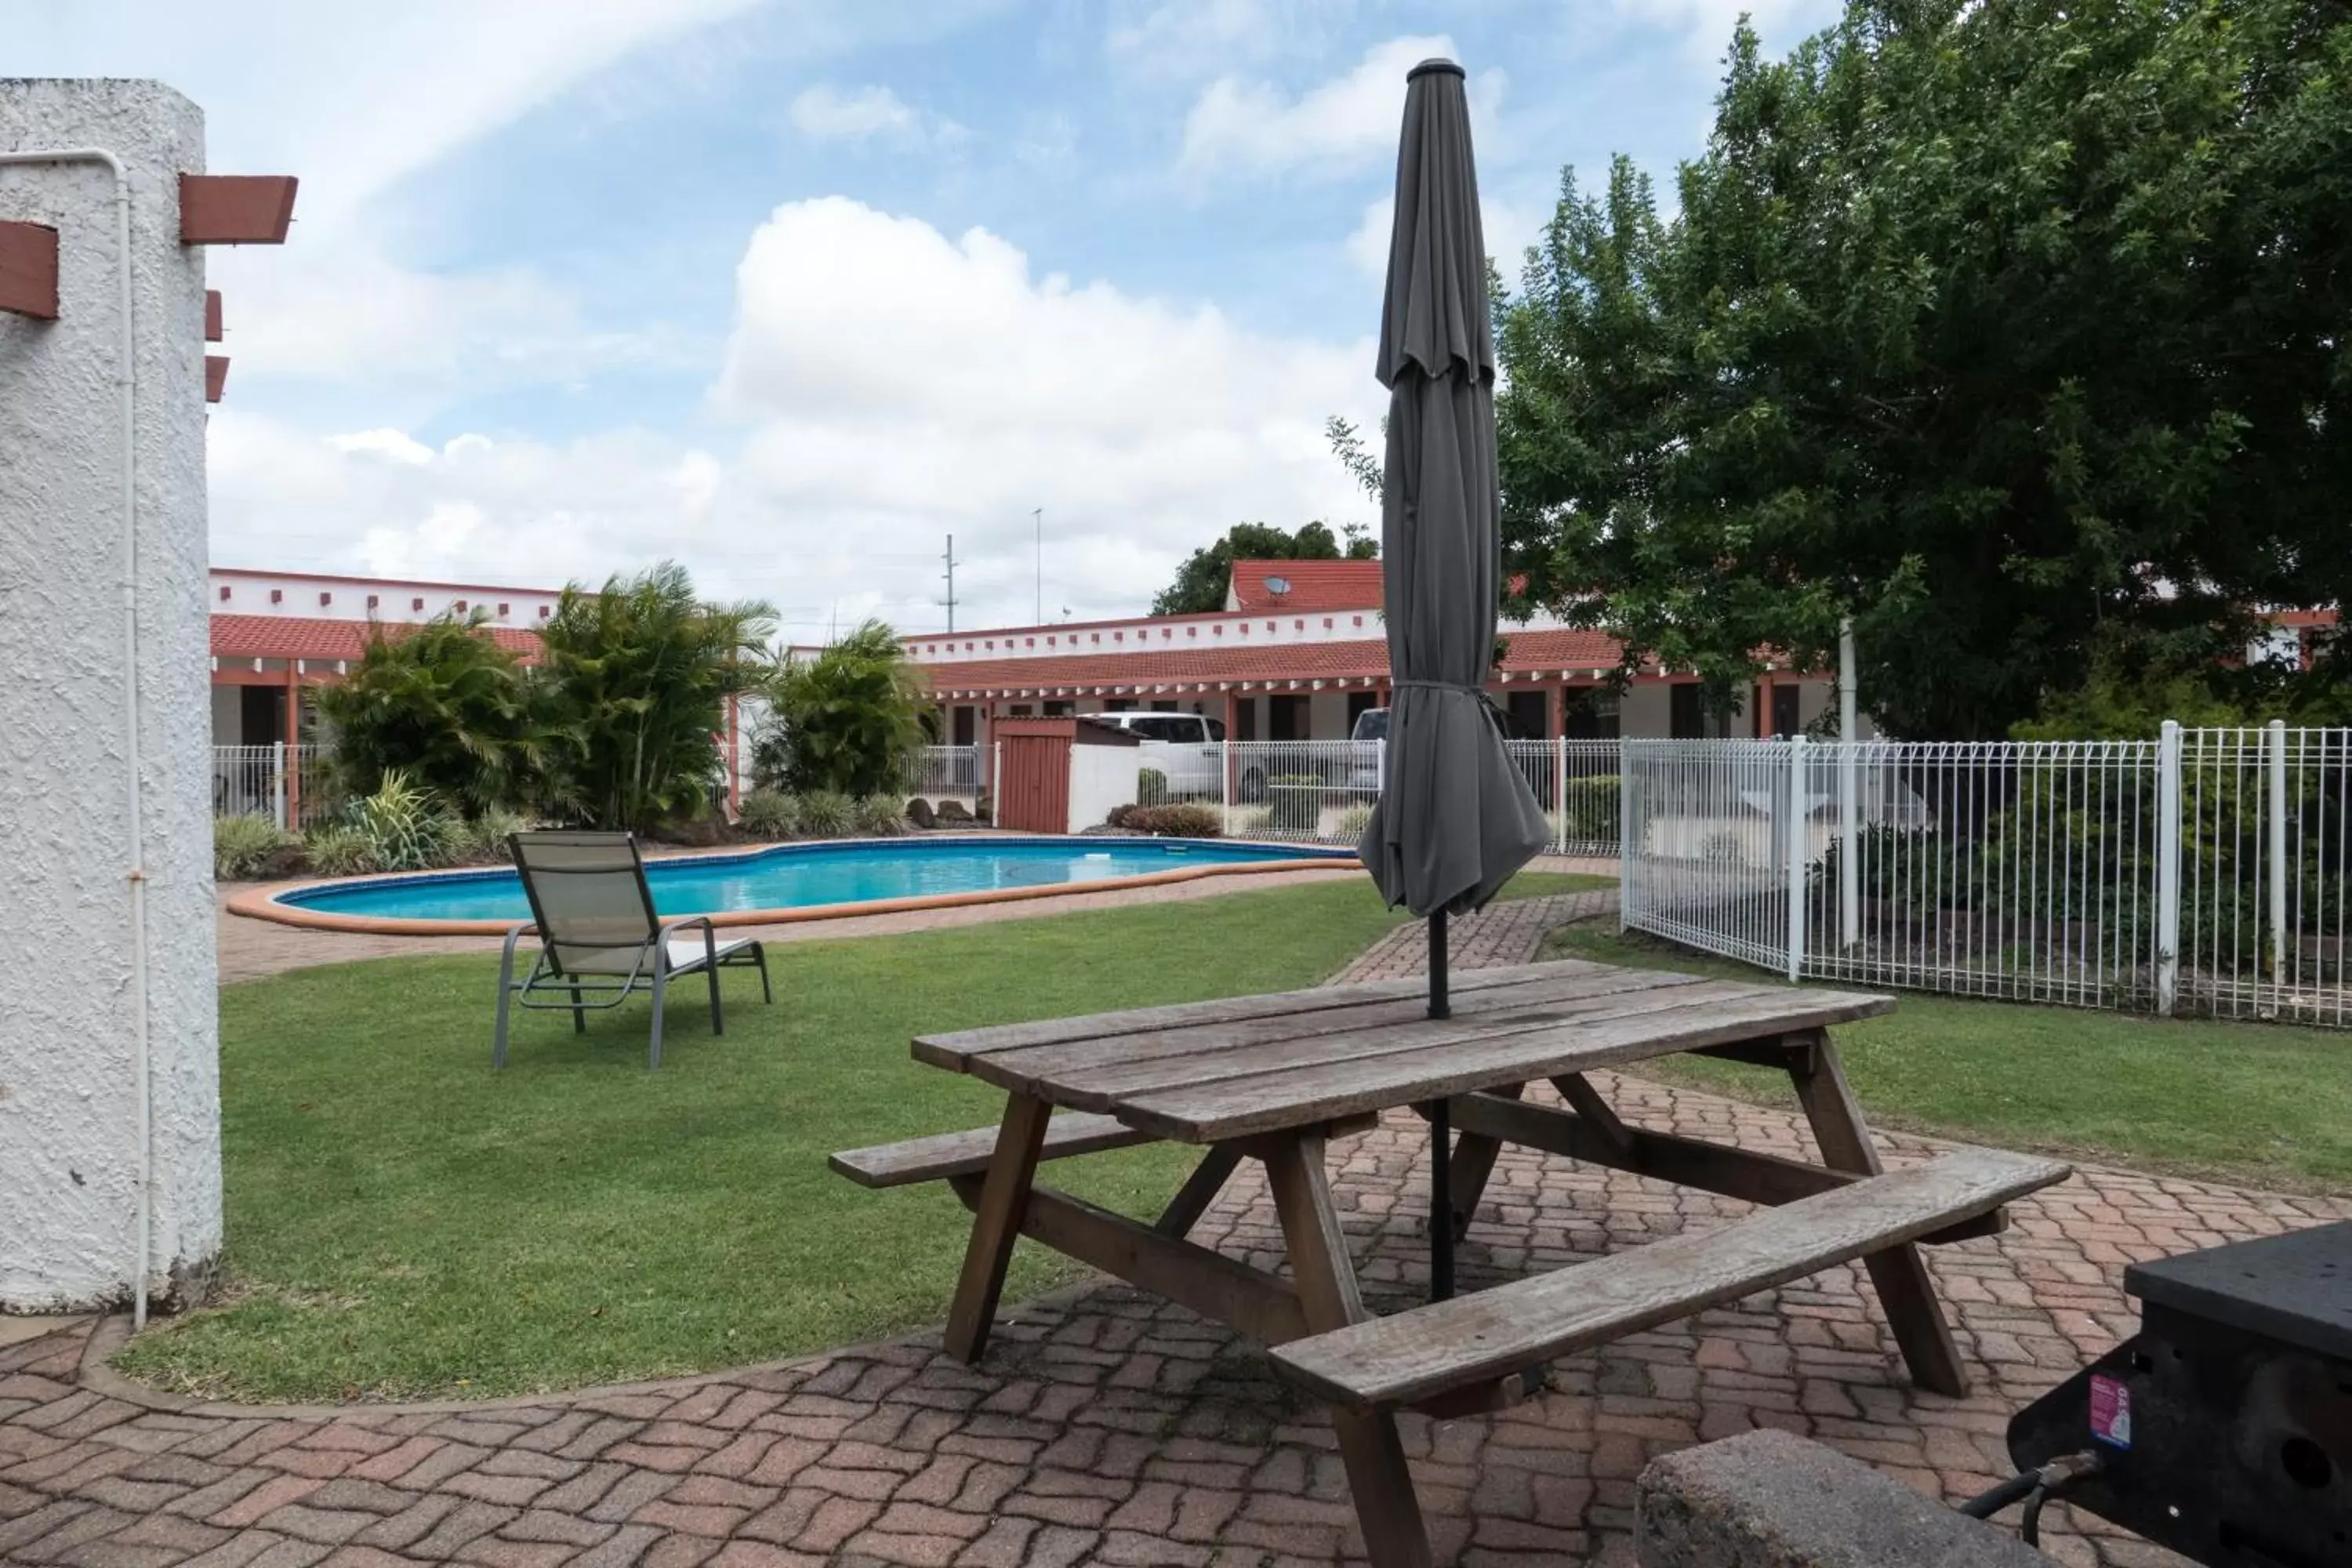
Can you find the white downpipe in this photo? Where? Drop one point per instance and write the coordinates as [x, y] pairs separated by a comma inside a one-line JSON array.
[[1849, 839], [126, 381]]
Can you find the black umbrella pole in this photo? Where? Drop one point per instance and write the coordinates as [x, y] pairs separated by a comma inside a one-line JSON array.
[[1440, 1006], [1441, 1136]]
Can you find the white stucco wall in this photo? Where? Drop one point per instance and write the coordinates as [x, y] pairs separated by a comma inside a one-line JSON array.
[[1100, 777], [68, 1155]]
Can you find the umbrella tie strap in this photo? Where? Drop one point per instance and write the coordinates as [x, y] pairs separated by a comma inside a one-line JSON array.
[[1477, 691]]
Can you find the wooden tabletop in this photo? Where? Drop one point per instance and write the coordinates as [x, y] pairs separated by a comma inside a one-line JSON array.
[[1205, 1072]]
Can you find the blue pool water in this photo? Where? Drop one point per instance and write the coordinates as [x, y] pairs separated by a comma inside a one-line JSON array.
[[801, 876]]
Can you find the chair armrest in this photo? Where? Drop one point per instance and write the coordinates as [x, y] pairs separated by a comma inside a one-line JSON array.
[[669, 927]]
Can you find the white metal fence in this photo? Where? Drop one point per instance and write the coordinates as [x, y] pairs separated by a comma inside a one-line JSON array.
[[2203, 871], [287, 784], [950, 772]]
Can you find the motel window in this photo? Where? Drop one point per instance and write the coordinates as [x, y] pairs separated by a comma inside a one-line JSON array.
[[1530, 714], [1285, 718], [1119, 705], [1160, 707], [1018, 710], [1245, 719], [1059, 710]]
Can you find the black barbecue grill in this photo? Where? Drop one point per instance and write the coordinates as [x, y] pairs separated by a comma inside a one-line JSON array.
[[2222, 1430]]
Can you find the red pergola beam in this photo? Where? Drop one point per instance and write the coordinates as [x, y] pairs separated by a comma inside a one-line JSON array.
[[216, 377], [235, 209], [212, 316], [28, 269]]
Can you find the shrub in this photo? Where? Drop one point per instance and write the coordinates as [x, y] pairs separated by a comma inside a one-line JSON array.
[[404, 828], [242, 846], [635, 680], [337, 849], [1354, 821], [883, 815], [1589, 808], [848, 719], [484, 840], [827, 814], [444, 703], [768, 813], [1173, 821], [1150, 787], [1119, 815]]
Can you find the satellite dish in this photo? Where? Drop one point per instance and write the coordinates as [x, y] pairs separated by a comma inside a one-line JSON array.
[[1278, 585]]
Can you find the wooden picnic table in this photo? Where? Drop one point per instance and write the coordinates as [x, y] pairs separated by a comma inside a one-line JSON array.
[[1273, 1077]]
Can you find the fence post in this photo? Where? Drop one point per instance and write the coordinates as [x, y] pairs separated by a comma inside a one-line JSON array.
[[2278, 850], [2167, 868], [1559, 796], [1797, 848], [995, 781], [1849, 736], [1225, 787], [277, 782], [1625, 846]]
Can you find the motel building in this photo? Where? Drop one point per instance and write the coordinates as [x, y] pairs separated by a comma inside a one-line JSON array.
[[1299, 651]]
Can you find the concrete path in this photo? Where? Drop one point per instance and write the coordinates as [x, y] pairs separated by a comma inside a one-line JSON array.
[[1106, 1428]]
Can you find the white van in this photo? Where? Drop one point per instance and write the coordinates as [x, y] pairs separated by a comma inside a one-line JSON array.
[[1183, 747]]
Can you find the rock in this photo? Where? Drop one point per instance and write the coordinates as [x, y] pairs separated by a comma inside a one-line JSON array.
[[952, 811], [919, 813]]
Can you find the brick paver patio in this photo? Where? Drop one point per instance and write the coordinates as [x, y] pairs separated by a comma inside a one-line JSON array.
[[1105, 1428]]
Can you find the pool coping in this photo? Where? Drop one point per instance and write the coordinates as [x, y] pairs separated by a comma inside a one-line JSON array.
[[263, 903]]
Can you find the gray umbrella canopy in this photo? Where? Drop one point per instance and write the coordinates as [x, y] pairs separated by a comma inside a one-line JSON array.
[[1454, 818]]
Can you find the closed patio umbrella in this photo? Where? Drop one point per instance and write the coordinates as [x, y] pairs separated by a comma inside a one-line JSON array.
[[1454, 818]]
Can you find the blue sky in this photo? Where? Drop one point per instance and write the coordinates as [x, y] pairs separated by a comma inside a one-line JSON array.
[[789, 289]]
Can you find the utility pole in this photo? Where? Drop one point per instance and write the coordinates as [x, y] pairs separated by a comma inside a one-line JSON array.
[[1040, 515], [950, 576]]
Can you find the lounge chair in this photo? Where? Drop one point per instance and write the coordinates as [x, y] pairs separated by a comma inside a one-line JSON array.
[[601, 940]]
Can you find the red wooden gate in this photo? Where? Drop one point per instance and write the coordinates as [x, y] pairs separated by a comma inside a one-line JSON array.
[[1034, 795]]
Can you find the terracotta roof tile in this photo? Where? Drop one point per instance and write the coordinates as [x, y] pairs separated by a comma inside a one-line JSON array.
[[1313, 585], [299, 636], [1529, 651]]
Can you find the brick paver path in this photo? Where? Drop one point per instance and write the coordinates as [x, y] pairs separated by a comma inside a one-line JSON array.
[[1500, 934], [1106, 1428]]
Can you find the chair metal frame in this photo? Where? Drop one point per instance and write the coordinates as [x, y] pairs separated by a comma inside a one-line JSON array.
[[651, 969]]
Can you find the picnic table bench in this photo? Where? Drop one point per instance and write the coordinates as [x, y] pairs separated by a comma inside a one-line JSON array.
[[1273, 1078]]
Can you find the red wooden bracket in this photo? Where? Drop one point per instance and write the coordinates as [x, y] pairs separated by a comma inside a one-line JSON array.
[[212, 316], [216, 377], [28, 269], [235, 209]]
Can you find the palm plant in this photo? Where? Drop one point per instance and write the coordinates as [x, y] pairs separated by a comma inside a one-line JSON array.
[[443, 702], [848, 720], [635, 680]]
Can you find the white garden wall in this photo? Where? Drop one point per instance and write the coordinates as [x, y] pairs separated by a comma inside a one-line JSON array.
[[69, 1152]]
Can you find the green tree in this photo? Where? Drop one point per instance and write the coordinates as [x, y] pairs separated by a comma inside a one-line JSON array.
[[637, 677], [848, 720], [1207, 575], [2015, 330], [443, 702]]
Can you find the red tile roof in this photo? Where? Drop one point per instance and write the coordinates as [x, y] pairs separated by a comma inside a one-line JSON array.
[[1313, 585], [299, 637], [1535, 652]]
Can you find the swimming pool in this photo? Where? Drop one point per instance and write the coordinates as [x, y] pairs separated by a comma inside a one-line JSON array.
[[794, 882]]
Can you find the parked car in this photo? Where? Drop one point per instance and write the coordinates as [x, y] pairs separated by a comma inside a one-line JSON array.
[[1186, 749], [1369, 744]]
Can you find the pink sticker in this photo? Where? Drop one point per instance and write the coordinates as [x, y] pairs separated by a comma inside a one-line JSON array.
[[2111, 1410]]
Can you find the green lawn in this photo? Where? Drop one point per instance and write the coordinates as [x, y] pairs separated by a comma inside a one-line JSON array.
[[403, 1223], [2250, 1103]]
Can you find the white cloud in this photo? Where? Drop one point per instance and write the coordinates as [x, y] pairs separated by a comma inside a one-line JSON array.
[[1340, 128], [829, 113], [1706, 25], [1198, 38], [892, 386]]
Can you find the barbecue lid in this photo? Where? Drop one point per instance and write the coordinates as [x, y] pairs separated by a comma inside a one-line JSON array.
[[2296, 1287]]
